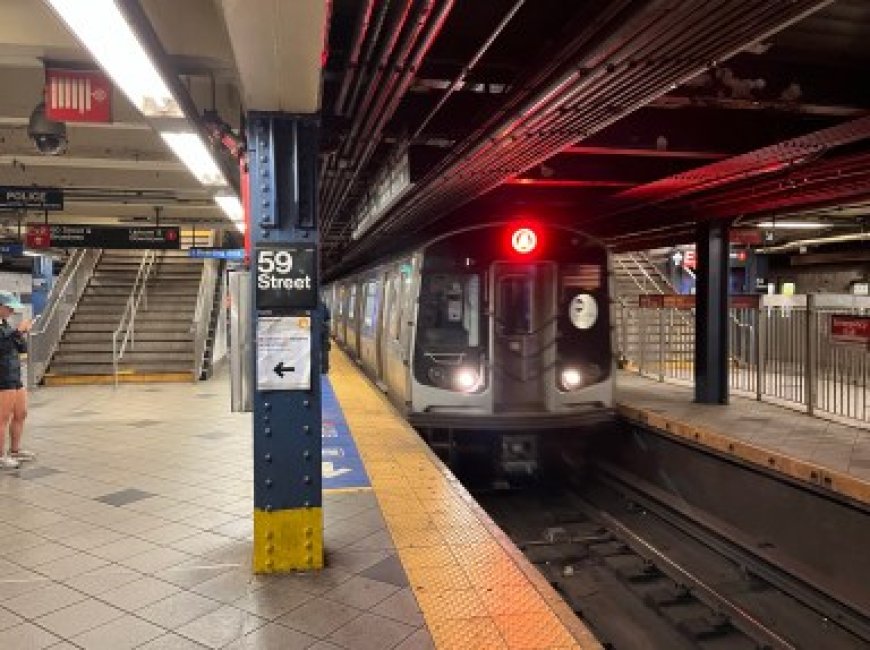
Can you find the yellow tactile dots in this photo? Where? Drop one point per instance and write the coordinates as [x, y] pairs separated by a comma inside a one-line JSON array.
[[476, 591]]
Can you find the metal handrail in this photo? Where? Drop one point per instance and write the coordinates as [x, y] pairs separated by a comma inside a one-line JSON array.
[[127, 324], [203, 313], [62, 302]]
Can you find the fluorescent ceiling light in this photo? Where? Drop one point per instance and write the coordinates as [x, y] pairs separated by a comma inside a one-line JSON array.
[[191, 150], [231, 206], [793, 225], [101, 28]]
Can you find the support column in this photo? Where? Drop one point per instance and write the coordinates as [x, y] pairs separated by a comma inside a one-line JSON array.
[[711, 314], [287, 326]]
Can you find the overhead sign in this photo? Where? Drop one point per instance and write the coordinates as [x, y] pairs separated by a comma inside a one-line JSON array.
[[690, 259], [850, 329], [77, 96], [284, 353], [286, 277], [217, 253], [745, 236], [72, 236], [43, 198], [13, 248], [667, 301], [745, 301]]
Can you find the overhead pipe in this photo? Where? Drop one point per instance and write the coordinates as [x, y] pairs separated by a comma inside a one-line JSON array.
[[427, 38], [359, 35]]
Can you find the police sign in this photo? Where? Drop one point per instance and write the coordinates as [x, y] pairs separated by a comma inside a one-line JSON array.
[[286, 277]]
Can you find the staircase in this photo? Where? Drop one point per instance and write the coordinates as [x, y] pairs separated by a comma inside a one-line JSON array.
[[162, 349], [637, 274]]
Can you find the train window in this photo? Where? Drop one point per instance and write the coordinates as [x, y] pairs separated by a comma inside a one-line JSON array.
[[370, 304], [514, 313], [450, 310], [351, 303], [395, 309]]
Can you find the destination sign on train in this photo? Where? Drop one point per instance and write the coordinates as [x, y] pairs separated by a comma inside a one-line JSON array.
[[286, 277]]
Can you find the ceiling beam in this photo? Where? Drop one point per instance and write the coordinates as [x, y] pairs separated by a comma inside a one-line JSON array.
[[643, 153]]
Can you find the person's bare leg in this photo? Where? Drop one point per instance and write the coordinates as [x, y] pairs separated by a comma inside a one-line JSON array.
[[19, 414], [6, 399]]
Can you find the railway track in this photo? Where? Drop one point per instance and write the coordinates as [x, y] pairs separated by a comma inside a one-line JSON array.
[[647, 567]]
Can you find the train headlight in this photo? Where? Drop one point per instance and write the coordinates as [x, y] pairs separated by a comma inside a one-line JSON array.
[[467, 379], [571, 378]]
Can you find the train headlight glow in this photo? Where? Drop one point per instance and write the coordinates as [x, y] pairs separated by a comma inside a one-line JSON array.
[[467, 379], [571, 378]]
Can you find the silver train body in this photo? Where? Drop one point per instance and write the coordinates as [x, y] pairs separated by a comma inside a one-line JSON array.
[[468, 334]]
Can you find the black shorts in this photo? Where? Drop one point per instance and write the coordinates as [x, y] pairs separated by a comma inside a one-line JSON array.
[[10, 385]]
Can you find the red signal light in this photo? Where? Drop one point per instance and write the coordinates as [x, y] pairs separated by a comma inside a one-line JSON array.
[[524, 240]]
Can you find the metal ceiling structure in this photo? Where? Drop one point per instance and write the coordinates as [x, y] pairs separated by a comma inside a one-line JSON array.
[[632, 119]]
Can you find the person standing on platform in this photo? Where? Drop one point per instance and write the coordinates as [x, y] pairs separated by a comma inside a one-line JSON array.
[[13, 395]]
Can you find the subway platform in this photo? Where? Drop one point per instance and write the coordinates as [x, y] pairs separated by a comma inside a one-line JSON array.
[[133, 530], [826, 454]]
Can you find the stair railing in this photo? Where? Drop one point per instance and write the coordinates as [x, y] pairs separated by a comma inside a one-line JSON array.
[[203, 313], [126, 331], [62, 302]]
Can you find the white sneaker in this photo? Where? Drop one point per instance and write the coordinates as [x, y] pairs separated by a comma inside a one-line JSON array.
[[7, 462], [22, 455]]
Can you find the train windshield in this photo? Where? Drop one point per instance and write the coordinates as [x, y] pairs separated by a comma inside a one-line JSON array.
[[515, 304], [450, 310]]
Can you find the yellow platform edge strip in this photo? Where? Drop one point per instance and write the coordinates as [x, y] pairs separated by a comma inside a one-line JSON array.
[[796, 468], [123, 378], [288, 540], [387, 443]]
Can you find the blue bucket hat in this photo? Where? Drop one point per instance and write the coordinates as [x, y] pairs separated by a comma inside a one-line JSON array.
[[9, 299]]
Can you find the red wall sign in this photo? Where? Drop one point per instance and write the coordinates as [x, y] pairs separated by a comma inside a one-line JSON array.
[[745, 301], [77, 96], [745, 236], [850, 329], [690, 259], [38, 236]]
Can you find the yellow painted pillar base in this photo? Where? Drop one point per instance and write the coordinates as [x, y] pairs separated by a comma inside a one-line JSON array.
[[288, 540]]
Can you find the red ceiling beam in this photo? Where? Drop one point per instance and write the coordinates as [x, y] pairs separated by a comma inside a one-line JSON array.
[[567, 182], [644, 153]]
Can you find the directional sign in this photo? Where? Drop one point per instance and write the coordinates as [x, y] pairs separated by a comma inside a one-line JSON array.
[[217, 253], [77, 96], [85, 236], [286, 277], [284, 353]]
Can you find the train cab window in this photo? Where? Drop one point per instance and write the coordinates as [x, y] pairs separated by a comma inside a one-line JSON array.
[[514, 314], [450, 310], [395, 308]]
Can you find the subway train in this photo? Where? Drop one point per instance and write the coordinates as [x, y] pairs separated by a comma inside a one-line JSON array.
[[491, 338]]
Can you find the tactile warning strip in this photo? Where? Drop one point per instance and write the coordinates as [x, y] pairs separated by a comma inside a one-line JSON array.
[[474, 587], [775, 461]]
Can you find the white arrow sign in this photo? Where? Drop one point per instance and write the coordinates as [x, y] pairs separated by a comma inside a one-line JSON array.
[[330, 471]]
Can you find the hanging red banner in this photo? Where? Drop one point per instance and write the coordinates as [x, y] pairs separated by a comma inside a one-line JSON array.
[[850, 329], [77, 96]]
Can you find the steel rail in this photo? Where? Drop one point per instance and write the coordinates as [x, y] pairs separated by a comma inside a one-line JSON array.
[[659, 503]]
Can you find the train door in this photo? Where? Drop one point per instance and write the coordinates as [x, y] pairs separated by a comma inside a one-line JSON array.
[[524, 331]]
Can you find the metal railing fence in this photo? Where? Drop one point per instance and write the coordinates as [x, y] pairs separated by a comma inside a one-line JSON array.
[[780, 351], [126, 331], [62, 302], [203, 313]]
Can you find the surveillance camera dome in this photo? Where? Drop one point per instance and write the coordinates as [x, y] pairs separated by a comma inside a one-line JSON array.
[[48, 136]]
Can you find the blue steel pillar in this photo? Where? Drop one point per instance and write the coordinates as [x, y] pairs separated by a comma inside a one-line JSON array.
[[711, 314], [288, 517]]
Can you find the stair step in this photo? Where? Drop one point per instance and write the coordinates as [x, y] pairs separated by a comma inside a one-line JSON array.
[[141, 336], [104, 346], [62, 369], [130, 358]]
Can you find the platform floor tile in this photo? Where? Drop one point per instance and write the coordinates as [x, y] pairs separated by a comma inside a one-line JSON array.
[[475, 589], [133, 529], [828, 454]]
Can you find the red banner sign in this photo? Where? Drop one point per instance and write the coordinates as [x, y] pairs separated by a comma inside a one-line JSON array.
[[745, 236], [679, 301], [850, 329], [690, 259], [77, 96], [745, 301], [654, 301]]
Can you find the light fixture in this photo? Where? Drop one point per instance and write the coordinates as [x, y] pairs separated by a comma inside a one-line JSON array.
[[107, 35], [232, 207], [191, 150], [793, 225], [466, 379], [571, 378]]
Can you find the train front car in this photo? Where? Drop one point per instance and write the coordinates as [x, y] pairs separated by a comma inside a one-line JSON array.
[[512, 342]]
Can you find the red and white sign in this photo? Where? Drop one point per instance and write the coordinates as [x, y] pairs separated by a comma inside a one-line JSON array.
[[745, 236], [38, 236], [77, 96], [850, 329], [690, 259]]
